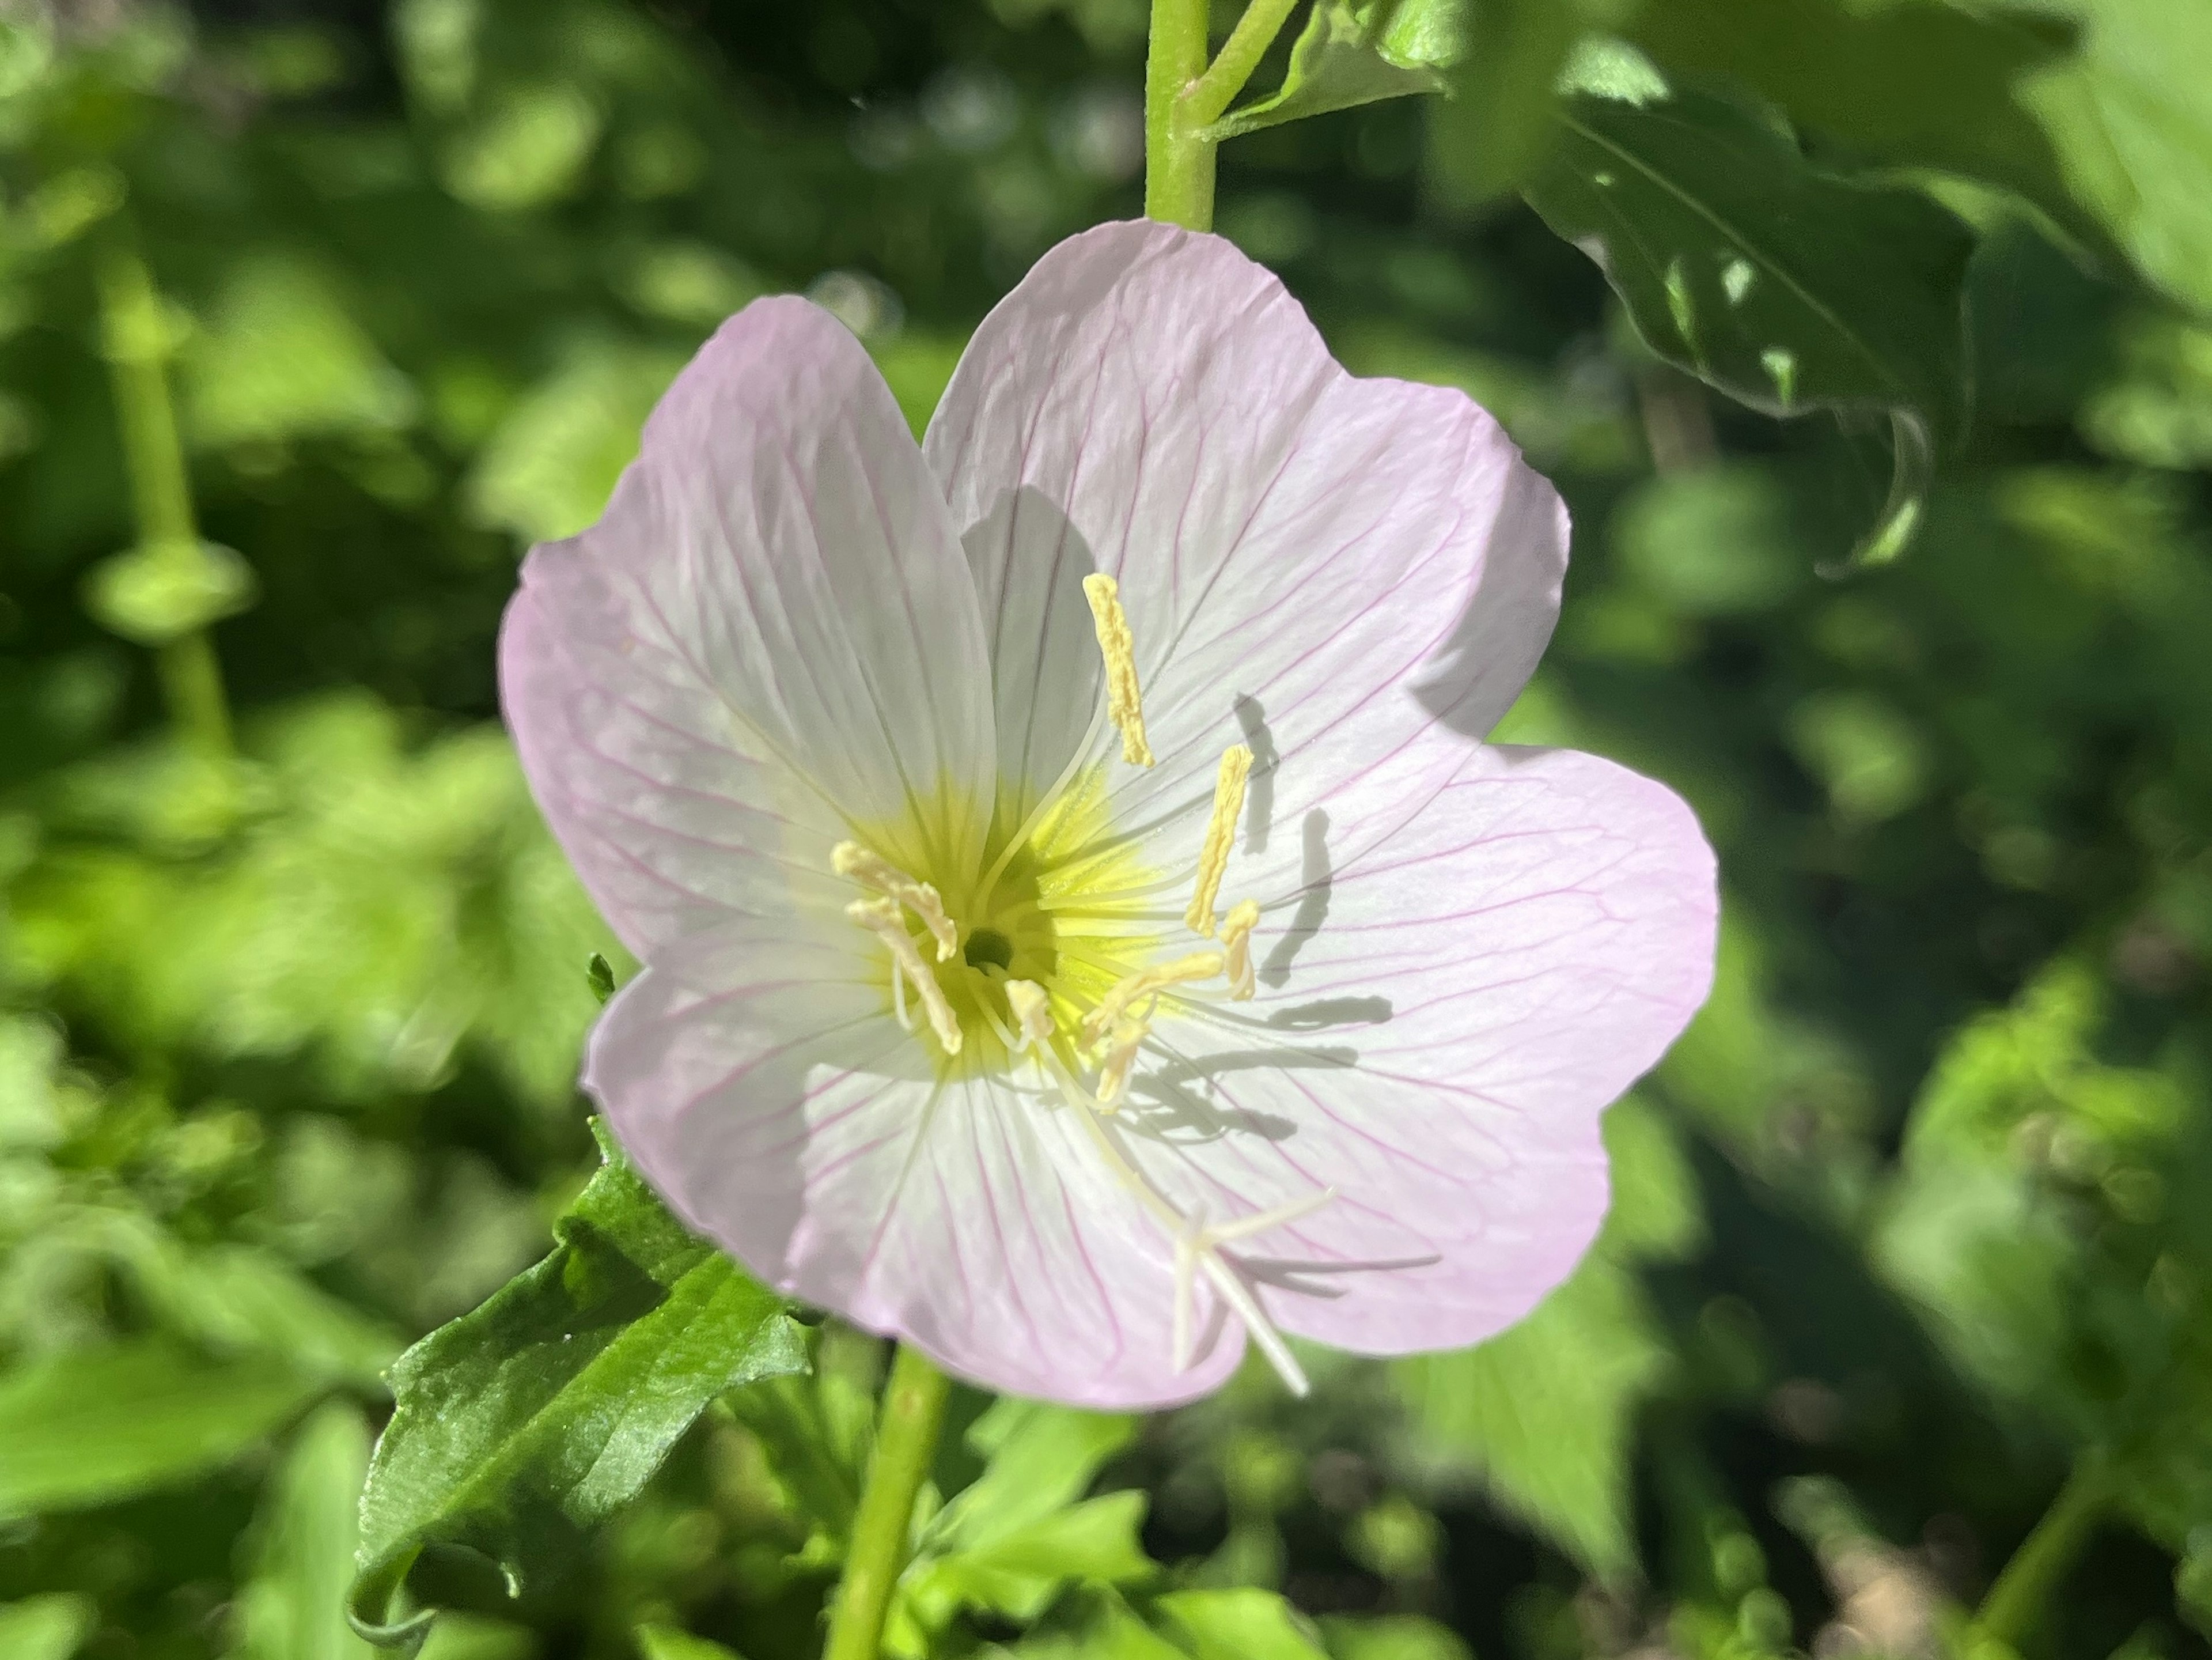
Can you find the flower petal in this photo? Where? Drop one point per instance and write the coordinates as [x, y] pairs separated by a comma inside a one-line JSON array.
[[1441, 1023], [771, 635], [1320, 565], [756, 1076]]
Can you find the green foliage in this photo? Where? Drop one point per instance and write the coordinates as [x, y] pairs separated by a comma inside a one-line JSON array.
[[293, 1607], [92, 1425], [1544, 1415], [1009, 1541], [553, 1404], [658, 1643], [1787, 289], [1912, 1221], [43, 1627], [1350, 54]]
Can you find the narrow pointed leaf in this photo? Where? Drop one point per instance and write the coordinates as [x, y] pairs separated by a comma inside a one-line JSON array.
[[294, 1606]]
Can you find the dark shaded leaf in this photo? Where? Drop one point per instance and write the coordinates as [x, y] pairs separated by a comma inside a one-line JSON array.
[[1786, 288]]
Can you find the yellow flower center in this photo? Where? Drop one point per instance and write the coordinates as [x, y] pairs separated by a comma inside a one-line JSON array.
[[1050, 954]]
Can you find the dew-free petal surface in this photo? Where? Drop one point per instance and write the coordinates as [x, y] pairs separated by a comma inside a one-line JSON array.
[[1440, 1024], [769, 634], [757, 1078], [1322, 566]]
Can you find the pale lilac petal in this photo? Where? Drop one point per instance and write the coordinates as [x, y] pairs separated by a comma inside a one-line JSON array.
[[1319, 565], [756, 1076], [769, 638], [1440, 1024]]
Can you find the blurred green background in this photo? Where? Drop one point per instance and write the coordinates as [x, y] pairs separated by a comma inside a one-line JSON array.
[[1917, 1219]]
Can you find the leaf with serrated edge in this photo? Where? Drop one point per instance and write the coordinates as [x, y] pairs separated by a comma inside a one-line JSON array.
[[558, 1399]]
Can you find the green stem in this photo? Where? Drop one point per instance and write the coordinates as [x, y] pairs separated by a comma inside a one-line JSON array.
[[1209, 97], [135, 340], [1178, 164], [906, 1442], [2015, 1601]]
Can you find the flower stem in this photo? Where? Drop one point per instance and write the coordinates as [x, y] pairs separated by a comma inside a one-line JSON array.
[[2015, 1601], [906, 1442], [1178, 164], [135, 340]]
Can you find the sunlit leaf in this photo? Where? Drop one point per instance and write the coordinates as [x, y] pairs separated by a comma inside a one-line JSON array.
[[2131, 121], [666, 1643], [281, 357], [50, 1627], [90, 1425], [1240, 1625], [551, 1405]]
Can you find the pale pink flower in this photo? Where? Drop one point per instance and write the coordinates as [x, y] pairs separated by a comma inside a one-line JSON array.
[[1160, 1058]]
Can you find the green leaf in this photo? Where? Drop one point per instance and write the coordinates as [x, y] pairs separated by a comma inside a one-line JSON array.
[[549, 467], [281, 357], [551, 1405], [1496, 127], [1011, 1540], [44, 1627], [1354, 52], [1240, 1625], [1393, 1637], [666, 1643], [294, 1606], [236, 1298], [1915, 84], [1787, 289], [1543, 1414], [2131, 121], [1040, 1458], [90, 1425]]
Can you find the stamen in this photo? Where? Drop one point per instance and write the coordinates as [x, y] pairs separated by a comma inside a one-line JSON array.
[[1197, 1245], [1220, 836], [1032, 1011], [1237, 943], [881, 917], [1199, 965], [872, 870], [1114, 1072], [1124, 703]]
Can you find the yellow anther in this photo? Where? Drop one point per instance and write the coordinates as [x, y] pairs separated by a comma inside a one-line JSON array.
[[872, 870], [1032, 1011], [1124, 704], [1114, 1072], [1237, 943], [1199, 965], [881, 917], [1220, 835]]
